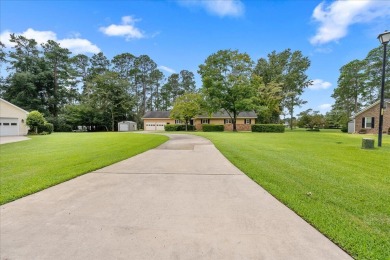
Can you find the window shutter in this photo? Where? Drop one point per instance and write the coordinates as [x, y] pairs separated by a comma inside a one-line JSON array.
[[363, 122], [372, 122]]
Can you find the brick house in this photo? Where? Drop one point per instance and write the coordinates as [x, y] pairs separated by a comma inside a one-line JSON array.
[[368, 118], [156, 120]]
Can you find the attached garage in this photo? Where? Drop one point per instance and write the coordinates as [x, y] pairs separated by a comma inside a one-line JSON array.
[[154, 126], [156, 120], [12, 119]]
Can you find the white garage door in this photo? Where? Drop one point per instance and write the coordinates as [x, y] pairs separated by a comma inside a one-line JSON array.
[[9, 126], [154, 126]]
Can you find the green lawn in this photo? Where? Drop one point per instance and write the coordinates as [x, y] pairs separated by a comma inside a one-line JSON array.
[[30, 166], [325, 177]]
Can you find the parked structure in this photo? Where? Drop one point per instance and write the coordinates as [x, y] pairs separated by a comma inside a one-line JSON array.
[[126, 126], [368, 118], [156, 120], [12, 119]]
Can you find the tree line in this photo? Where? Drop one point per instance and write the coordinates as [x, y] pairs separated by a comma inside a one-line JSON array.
[[97, 92], [359, 85]]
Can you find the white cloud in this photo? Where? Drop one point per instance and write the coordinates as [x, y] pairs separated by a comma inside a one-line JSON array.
[[325, 108], [127, 29], [78, 46], [167, 69], [220, 8], [335, 18], [320, 84], [75, 45]]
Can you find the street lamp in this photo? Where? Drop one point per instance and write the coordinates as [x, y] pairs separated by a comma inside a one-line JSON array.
[[384, 38]]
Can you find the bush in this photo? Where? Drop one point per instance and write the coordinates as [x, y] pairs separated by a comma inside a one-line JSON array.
[[35, 120], [46, 127], [388, 131], [268, 128], [363, 131], [213, 128], [344, 129], [179, 127], [313, 129]]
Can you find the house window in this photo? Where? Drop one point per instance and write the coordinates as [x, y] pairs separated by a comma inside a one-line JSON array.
[[205, 121], [178, 122], [228, 121], [247, 121], [368, 122]]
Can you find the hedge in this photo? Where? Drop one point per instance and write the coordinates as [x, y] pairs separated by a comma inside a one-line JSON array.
[[268, 128], [179, 127], [213, 128]]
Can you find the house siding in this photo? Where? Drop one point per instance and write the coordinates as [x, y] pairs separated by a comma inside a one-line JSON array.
[[374, 112], [240, 124], [8, 110]]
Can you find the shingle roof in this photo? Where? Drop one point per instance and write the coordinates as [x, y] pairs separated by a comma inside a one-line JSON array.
[[223, 114], [165, 114], [157, 114]]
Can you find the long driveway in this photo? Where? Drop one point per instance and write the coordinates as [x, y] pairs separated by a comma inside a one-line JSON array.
[[182, 200]]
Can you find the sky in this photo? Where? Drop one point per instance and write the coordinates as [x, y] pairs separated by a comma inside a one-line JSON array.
[[180, 34]]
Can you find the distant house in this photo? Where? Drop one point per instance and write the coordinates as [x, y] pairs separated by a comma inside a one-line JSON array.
[[368, 118], [12, 119], [156, 120]]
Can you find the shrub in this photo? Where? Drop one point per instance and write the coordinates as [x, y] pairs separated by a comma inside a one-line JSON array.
[[313, 129], [178, 127], [213, 128], [344, 129], [35, 120], [268, 128], [388, 131], [363, 131], [46, 127]]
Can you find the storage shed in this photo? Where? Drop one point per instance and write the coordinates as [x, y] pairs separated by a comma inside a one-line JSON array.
[[126, 126]]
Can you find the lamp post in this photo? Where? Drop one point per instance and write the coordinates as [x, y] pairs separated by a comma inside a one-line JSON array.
[[384, 38]]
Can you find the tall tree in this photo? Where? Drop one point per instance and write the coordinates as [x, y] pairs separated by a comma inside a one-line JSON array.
[[57, 59], [289, 69], [187, 81], [110, 96], [351, 85], [226, 78], [373, 70], [144, 67]]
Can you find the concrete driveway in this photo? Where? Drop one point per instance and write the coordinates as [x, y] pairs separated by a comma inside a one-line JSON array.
[[182, 200], [12, 139]]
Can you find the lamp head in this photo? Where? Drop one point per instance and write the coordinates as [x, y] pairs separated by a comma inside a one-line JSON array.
[[384, 38]]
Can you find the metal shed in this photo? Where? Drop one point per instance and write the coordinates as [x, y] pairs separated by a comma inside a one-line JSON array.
[[126, 126]]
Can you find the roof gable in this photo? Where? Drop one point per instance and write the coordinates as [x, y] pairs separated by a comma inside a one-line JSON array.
[[370, 106], [14, 106]]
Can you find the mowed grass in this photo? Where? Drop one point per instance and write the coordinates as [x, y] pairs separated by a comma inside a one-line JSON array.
[[30, 166], [325, 177]]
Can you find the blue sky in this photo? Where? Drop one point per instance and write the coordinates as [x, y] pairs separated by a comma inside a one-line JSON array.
[[181, 34]]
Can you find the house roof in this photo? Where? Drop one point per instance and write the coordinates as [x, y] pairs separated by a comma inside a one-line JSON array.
[[165, 114], [21, 109], [386, 100], [223, 114], [157, 114]]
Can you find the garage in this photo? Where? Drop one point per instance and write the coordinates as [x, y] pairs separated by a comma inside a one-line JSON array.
[[154, 126], [9, 126], [12, 119]]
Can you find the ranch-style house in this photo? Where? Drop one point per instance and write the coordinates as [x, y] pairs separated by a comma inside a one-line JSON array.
[[156, 120]]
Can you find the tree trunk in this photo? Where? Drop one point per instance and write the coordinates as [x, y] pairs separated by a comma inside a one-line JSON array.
[[234, 121]]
